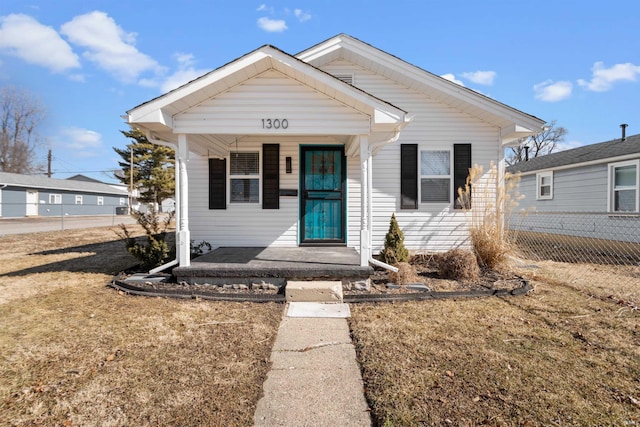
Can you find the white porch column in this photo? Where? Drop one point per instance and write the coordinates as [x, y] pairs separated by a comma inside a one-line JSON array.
[[365, 221], [183, 235]]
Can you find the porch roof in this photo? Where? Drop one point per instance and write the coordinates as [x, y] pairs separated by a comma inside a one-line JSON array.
[[158, 116]]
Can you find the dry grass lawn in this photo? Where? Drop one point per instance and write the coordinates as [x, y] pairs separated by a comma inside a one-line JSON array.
[[75, 352], [567, 354]]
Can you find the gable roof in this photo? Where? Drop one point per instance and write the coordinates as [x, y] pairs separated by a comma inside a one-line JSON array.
[[514, 124], [156, 115], [42, 182], [599, 153]]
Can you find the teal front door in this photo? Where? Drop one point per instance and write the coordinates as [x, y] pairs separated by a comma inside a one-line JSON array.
[[323, 195]]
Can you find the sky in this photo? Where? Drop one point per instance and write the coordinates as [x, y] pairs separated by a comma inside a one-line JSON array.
[[576, 62]]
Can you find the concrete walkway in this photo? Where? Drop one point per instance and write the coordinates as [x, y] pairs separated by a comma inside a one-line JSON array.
[[314, 378]]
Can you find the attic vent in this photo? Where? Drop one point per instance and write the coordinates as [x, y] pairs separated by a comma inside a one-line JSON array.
[[347, 78]]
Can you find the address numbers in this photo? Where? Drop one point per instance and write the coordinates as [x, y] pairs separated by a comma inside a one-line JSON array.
[[275, 123]]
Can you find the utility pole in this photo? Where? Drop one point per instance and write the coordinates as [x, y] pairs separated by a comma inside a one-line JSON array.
[[49, 157]]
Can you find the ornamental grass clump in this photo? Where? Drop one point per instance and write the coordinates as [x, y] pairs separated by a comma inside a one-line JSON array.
[[394, 251], [458, 264], [405, 276], [155, 250], [494, 198]]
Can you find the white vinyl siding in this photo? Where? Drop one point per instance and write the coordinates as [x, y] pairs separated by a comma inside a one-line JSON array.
[[544, 185], [433, 226], [55, 199], [623, 186]]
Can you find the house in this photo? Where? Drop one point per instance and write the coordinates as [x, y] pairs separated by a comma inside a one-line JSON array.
[[322, 147], [33, 195], [589, 191]]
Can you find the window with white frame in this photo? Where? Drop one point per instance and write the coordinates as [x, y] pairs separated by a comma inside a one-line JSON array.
[[545, 185], [79, 199], [100, 200], [122, 201], [244, 177], [623, 186], [435, 176], [55, 199]]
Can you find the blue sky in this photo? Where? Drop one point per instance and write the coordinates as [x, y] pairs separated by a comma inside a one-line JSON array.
[[89, 61]]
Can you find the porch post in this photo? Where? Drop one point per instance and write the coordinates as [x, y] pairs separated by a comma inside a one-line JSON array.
[[364, 201], [183, 235]]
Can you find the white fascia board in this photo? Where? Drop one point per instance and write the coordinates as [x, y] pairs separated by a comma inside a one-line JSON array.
[[514, 132], [156, 116]]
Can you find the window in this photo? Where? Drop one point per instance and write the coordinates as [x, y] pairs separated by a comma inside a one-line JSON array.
[[78, 200], [244, 177], [55, 199], [623, 186], [122, 201], [435, 176], [544, 185], [100, 200]]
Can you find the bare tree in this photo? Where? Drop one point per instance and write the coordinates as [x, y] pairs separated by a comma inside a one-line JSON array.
[[538, 145], [20, 116]]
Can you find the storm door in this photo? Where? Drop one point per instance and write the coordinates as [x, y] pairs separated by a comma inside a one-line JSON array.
[[323, 195]]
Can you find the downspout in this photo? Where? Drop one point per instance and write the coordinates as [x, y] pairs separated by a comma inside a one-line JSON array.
[[177, 211], [372, 147]]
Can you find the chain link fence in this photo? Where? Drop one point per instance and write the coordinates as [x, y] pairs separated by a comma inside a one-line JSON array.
[[585, 249]]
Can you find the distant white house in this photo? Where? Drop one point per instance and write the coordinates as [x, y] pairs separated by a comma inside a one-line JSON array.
[[33, 195], [321, 148], [599, 181]]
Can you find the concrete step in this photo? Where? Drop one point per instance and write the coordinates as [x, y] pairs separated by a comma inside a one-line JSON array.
[[313, 291]]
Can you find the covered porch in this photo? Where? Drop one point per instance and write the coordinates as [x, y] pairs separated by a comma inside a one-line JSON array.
[[274, 265]]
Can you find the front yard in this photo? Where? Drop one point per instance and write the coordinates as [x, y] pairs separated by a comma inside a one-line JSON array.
[[75, 352]]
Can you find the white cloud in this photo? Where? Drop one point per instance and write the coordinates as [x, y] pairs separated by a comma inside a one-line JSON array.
[[272, 25], [109, 46], [302, 16], [452, 78], [602, 79], [24, 37], [568, 145], [83, 142], [480, 77], [185, 73], [551, 91]]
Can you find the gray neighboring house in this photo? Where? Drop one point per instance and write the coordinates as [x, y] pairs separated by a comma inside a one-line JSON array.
[[32, 195], [589, 191]]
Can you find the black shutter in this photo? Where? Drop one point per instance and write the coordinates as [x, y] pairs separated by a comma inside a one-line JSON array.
[[270, 176], [409, 176], [461, 166], [217, 183]]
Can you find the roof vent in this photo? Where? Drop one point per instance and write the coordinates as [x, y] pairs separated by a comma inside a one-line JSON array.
[[347, 78], [624, 132]]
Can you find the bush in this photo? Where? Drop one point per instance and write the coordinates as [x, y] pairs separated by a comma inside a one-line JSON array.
[[394, 251], [458, 264], [155, 250], [406, 274]]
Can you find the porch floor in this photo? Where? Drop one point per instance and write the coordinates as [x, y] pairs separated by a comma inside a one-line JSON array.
[[229, 265]]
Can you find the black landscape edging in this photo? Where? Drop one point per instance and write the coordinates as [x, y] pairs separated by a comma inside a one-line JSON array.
[[359, 298]]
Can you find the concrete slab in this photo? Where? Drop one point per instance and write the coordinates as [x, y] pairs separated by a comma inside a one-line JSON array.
[[313, 291], [317, 309], [315, 379]]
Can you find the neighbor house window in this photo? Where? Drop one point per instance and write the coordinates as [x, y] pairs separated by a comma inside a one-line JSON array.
[[55, 199], [78, 200], [100, 200], [244, 177], [435, 176], [545, 185], [623, 186], [122, 201]]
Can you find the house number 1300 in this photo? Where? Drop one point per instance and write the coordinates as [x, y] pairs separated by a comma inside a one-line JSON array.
[[275, 123]]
